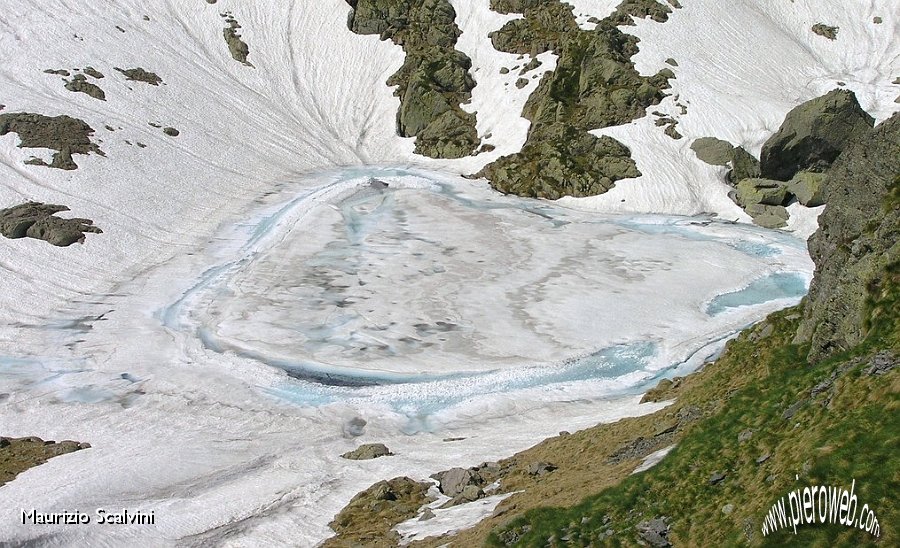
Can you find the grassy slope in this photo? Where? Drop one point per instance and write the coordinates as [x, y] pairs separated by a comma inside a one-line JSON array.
[[850, 431]]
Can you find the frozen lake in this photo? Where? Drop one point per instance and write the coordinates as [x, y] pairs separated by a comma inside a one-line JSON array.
[[423, 303]]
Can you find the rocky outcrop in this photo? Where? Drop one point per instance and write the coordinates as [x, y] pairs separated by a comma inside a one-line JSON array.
[[368, 451], [138, 74], [813, 135], [37, 220], [595, 85], [80, 84], [20, 454], [434, 79], [64, 134], [370, 516], [795, 159], [857, 246], [236, 46]]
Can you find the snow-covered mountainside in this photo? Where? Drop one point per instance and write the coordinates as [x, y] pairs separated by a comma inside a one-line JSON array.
[[256, 288]]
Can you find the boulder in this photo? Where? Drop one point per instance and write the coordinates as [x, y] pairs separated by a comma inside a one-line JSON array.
[[368, 451], [713, 151], [654, 532], [768, 216], [454, 481], [761, 191], [540, 468], [743, 166], [808, 188], [813, 135]]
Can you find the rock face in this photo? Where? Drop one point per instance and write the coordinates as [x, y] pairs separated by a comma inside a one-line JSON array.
[[368, 451], [37, 220], [857, 246], [813, 135], [595, 85], [434, 79], [64, 134]]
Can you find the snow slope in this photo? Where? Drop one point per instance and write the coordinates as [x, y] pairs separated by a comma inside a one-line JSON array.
[[218, 448]]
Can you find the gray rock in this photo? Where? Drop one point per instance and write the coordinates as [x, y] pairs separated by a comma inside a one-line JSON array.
[[761, 191], [368, 451], [856, 243], [808, 187], [171, 132], [454, 481], [713, 151], [728, 508], [881, 363], [540, 468], [763, 458], [80, 84], [813, 135], [238, 49], [138, 74], [825, 30], [471, 493], [743, 166], [716, 478], [768, 216], [64, 134], [37, 220], [745, 435], [427, 515], [93, 73], [654, 532], [789, 413]]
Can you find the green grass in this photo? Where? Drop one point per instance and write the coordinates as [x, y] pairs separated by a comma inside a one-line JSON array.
[[851, 432]]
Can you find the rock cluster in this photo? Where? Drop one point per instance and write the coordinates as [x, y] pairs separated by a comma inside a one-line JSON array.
[[37, 220], [794, 161], [434, 79], [595, 85], [64, 134]]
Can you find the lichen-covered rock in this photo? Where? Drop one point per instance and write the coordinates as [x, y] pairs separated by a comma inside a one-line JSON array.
[[434, 79], [576, 164], [808, 187], [857, 246], [371, 515], [138, 74], [368, 451], [761, 191], [594, 85], [743, 166], [238, 49], [20, 454], [37, 220], [79, 83], [813, 134], [768, 216], [64, 134], [715, 152], [826, 31]]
